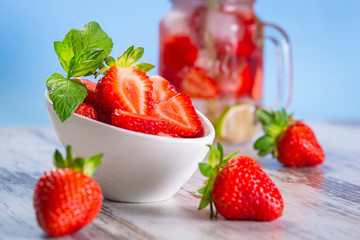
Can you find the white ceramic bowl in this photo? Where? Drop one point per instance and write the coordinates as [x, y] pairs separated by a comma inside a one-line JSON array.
[[136, 167]]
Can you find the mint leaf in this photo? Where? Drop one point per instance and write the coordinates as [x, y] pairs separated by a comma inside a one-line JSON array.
[[66, 94], [83, 51]]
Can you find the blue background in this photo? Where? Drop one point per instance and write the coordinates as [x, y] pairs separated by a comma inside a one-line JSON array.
[[325, 36]]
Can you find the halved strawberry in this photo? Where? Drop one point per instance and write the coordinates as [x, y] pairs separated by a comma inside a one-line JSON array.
[[199, 85], [90, 98], [179, 112], [162, 89], [138, 122], [125, 86]]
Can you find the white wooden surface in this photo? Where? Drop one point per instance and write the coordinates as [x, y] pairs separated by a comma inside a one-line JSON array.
[[320, 202]]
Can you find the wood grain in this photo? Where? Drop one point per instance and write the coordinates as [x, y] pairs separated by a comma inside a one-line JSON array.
[[321, 202]]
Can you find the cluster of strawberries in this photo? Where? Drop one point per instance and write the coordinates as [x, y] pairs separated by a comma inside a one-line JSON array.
[[206, 68], [127, 98]]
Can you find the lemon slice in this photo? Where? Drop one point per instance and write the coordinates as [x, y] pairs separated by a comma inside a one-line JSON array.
[[237, 123]]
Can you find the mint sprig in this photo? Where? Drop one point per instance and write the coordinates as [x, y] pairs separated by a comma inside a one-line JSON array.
[[210, 170], [81, 53], [81, 165]]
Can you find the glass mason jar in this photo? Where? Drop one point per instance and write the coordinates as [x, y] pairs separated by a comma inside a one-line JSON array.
[[213, 51]]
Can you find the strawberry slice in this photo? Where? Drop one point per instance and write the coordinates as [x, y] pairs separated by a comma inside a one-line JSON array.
[[179, 112], [124, 88], [199, 85], [170, 135], [90, 98], [162, 89], [179, 51], [138, 122]]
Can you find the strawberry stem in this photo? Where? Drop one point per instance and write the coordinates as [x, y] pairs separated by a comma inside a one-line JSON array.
[[84, 166]]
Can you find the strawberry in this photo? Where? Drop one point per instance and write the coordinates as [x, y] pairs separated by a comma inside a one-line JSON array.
[[67, 199], [162, 89], [179, 112], [87, 111], [239, 188], [292, 142], [179, 52], [90, 86], [172, 76], [170, 135], [138, 122], [199, 85], [124, 86]]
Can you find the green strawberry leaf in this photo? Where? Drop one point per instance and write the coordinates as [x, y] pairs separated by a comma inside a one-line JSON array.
[[205, 200], [82, 51], [202, 190], [58, 160], [214, 156], [66, 94], [144, 67], [263, 116], [86, 167], [121, 61], [264, 143], [78, 164], [110, 61], [134, 56], [227, 158], [91, 164], [205, 169]]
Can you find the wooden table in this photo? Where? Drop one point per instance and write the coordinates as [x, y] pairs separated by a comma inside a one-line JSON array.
[[320, 202]]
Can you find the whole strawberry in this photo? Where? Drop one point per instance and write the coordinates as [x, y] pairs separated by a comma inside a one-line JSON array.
[[292, 142], [67, 199], [239, 188]]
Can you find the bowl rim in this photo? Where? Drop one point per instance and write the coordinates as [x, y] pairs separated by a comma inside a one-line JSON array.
[[209, 136]]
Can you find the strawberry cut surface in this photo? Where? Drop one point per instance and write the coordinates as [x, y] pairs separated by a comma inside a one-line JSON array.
[[138, 122], [162, 89], [124, 88], [180, 114], [199, 85]]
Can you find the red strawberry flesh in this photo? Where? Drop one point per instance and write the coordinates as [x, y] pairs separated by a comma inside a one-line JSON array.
[[124, 88], [162, 89], [180, 114], [138, 122]]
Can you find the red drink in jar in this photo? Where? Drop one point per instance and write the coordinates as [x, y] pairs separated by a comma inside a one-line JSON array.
[[213, 51]]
